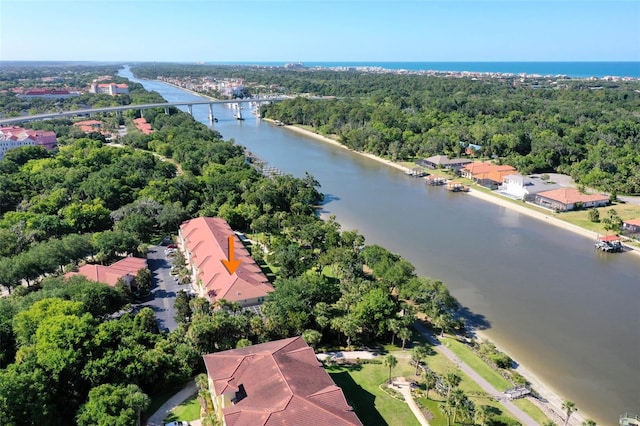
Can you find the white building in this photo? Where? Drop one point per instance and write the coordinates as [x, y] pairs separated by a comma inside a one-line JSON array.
[[12, 137], [523, 187], [109, 88]]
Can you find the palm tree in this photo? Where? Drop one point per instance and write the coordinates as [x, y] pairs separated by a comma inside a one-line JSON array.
[[390, 361], [482, 414], [430, 381], [417, 354], [589, 422], [452, 380], [404, 334], [447, 410], [569, 407], [393, 324], [456, 399], [202, 381]]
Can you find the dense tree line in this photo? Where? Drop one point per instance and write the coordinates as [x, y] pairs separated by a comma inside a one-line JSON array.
[[584, 128], [69, 350]]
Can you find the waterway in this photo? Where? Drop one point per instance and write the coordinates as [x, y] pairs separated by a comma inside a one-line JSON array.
[[567, 312]]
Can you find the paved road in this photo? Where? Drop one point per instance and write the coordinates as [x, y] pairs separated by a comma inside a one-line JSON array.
[[520, 415], [164, 288]]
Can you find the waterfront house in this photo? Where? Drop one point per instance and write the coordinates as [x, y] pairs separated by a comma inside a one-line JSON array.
[[443, 161], [275, 383], [487, 174], [565, 199], [524, 187], [204, 241], [632, 226], [126, 269]]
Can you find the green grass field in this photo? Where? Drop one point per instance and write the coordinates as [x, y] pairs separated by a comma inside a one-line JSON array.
[[373, 406], [187, 411]]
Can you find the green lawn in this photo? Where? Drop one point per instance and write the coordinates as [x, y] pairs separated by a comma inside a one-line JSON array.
[[491, 376], [361, 386], [477, 363], [581, 217], [189, 410]]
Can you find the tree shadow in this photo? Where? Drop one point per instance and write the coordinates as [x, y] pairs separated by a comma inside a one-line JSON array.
[[473, 321], [362, 401]]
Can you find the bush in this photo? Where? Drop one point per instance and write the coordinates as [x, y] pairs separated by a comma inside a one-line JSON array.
[[594, 215]]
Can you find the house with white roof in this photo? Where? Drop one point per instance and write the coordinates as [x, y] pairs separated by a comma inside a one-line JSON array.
[[522, 187]]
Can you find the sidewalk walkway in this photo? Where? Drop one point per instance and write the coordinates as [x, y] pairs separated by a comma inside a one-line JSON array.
[[157, 419], [520, 415], [401, 385]]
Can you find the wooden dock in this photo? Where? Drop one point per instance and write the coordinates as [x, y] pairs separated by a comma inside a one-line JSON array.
[[609, 244], [436, 180], [416, 172], [457, 187]]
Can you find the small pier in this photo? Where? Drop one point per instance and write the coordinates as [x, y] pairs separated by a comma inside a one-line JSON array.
[[435, 180], [456, 187], [416, 172], [609, 244], [517, 392]]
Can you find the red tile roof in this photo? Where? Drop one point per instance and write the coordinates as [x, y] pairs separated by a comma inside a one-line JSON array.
[[206, 239], [634, 222], [142, 125], [609, 238], [284, 385], [486, 167], [110, 274], [572, 196]]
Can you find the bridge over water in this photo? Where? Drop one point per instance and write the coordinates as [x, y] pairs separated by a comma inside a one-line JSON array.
[[142, 107]]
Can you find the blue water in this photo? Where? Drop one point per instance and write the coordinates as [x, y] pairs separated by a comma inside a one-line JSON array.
[[569, 69]]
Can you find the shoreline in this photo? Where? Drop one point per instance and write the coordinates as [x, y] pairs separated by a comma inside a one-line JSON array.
[[553, 405], [491, 198]]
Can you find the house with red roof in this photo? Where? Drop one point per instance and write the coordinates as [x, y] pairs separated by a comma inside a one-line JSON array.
[[112, 89], [565, 199], [204, 241], [632, 226], [142, 125], [14, 137], [126, 269], [48, 93], [487, 174], [275, 383]]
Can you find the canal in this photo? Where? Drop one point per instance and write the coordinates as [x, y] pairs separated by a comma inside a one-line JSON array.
[[566, 311]]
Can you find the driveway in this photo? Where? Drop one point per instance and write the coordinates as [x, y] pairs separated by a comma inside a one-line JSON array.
[[164, 288]]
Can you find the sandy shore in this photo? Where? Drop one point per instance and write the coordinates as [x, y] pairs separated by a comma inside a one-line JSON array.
[[491, 198], [553, 405]]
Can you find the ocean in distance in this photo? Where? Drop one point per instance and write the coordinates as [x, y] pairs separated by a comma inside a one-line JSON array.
[[569, 69]]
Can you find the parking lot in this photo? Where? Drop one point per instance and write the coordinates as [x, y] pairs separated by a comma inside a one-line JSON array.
[[164, 286]]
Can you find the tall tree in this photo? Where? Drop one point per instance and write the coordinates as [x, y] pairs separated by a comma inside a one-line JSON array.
[[569, 408], [390, 361]]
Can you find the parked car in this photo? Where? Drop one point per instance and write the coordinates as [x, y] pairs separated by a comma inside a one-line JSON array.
[[172, 246], [177, 423]]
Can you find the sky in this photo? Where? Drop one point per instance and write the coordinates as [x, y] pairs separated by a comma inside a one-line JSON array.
[[242, 31]]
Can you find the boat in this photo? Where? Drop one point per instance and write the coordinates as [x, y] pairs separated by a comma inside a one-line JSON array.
[[609, 244], [628, 419]]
